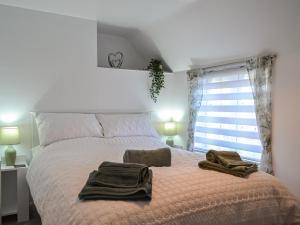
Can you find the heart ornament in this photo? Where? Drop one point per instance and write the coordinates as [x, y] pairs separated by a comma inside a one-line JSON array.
[[115, 60]]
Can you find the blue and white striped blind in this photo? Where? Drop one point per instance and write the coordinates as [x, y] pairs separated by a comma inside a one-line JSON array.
[[226, 119]]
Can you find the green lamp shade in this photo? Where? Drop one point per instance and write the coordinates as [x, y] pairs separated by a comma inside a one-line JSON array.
[[170, 128], [9, 136]]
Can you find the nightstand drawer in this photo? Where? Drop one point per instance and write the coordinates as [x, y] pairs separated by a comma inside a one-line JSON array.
[[14, 192], [9, 204]]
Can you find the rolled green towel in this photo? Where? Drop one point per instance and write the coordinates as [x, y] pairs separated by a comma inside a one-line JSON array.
[[240, 171], [159, 157], [227, 162], [228, 159]]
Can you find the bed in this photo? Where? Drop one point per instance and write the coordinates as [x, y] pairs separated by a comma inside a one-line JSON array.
[[181, 194]]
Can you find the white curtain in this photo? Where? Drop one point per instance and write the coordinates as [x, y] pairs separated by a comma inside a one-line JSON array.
[[195, 79], [260, 74]]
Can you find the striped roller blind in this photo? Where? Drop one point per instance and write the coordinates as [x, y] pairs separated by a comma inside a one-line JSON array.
[[226, 119]]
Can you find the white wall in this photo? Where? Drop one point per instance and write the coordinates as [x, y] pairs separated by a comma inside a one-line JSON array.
[[39, 49], [286, 120], [108, 43], [49, 62], [36, 51]]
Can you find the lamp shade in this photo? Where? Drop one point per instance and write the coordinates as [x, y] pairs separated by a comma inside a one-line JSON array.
[[170, 128], [9, 136]]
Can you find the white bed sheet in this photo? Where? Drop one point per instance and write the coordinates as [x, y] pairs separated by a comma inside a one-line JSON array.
[[182, 194]]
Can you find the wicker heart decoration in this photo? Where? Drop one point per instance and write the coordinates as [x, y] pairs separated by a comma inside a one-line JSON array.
[[115, 60]]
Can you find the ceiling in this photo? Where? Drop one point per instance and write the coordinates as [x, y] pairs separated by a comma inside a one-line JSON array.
[[188, 33], [127, 13]]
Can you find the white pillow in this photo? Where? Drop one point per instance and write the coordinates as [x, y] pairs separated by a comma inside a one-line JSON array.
[[122, 125], [54, 127]]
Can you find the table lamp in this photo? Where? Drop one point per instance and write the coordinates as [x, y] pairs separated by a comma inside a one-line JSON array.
[[9, 136], [170, 130]]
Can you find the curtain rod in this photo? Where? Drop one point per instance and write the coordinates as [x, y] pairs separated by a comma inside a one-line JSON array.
[[222, 66], [236, 63], [225, 66], [241, 63]]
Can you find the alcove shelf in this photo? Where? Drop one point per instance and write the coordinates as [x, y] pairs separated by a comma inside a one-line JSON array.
[[167, 73], [117, 49]]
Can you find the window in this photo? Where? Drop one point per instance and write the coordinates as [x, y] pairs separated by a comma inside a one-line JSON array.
[[226, 119]]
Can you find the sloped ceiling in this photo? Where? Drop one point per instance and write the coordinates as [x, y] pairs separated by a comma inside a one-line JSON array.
[[187, 33], [206, 32]]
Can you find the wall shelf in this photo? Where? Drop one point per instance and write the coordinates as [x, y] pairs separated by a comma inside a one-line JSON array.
[[167, 73], [115, 46]]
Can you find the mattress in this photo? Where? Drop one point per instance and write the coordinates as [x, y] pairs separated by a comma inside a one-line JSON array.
[[181, 194]]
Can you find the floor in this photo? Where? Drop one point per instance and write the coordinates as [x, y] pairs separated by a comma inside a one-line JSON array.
[[34, 218]]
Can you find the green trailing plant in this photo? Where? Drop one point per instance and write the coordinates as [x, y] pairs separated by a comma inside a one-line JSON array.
[[156, 72]]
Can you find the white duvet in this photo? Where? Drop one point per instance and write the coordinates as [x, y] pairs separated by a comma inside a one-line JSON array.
[[181, 194]]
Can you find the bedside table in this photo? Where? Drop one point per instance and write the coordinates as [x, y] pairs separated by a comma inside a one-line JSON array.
[[178, 147], [14, 191]]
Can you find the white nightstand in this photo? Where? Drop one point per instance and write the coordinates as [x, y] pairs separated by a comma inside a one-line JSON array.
[[14, 191], [178, 147]]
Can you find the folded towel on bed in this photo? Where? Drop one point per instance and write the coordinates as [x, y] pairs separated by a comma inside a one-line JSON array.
[[111, 174], [227, 162], [240, 171], [143, 191], [228, 159], [118, 181], [159, 157]]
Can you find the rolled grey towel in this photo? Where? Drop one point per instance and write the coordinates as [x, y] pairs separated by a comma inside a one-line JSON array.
[[159, 157]]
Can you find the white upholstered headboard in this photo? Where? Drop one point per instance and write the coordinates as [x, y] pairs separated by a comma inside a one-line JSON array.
[[35, 137]]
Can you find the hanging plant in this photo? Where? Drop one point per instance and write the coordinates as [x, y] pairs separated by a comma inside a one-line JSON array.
[[156, 72]]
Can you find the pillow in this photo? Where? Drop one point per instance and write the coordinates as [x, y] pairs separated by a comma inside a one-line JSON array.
[[122, 125], [54, 127]]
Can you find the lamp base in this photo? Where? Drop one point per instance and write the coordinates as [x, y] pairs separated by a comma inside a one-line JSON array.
[[170, 141], [10, 156]]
